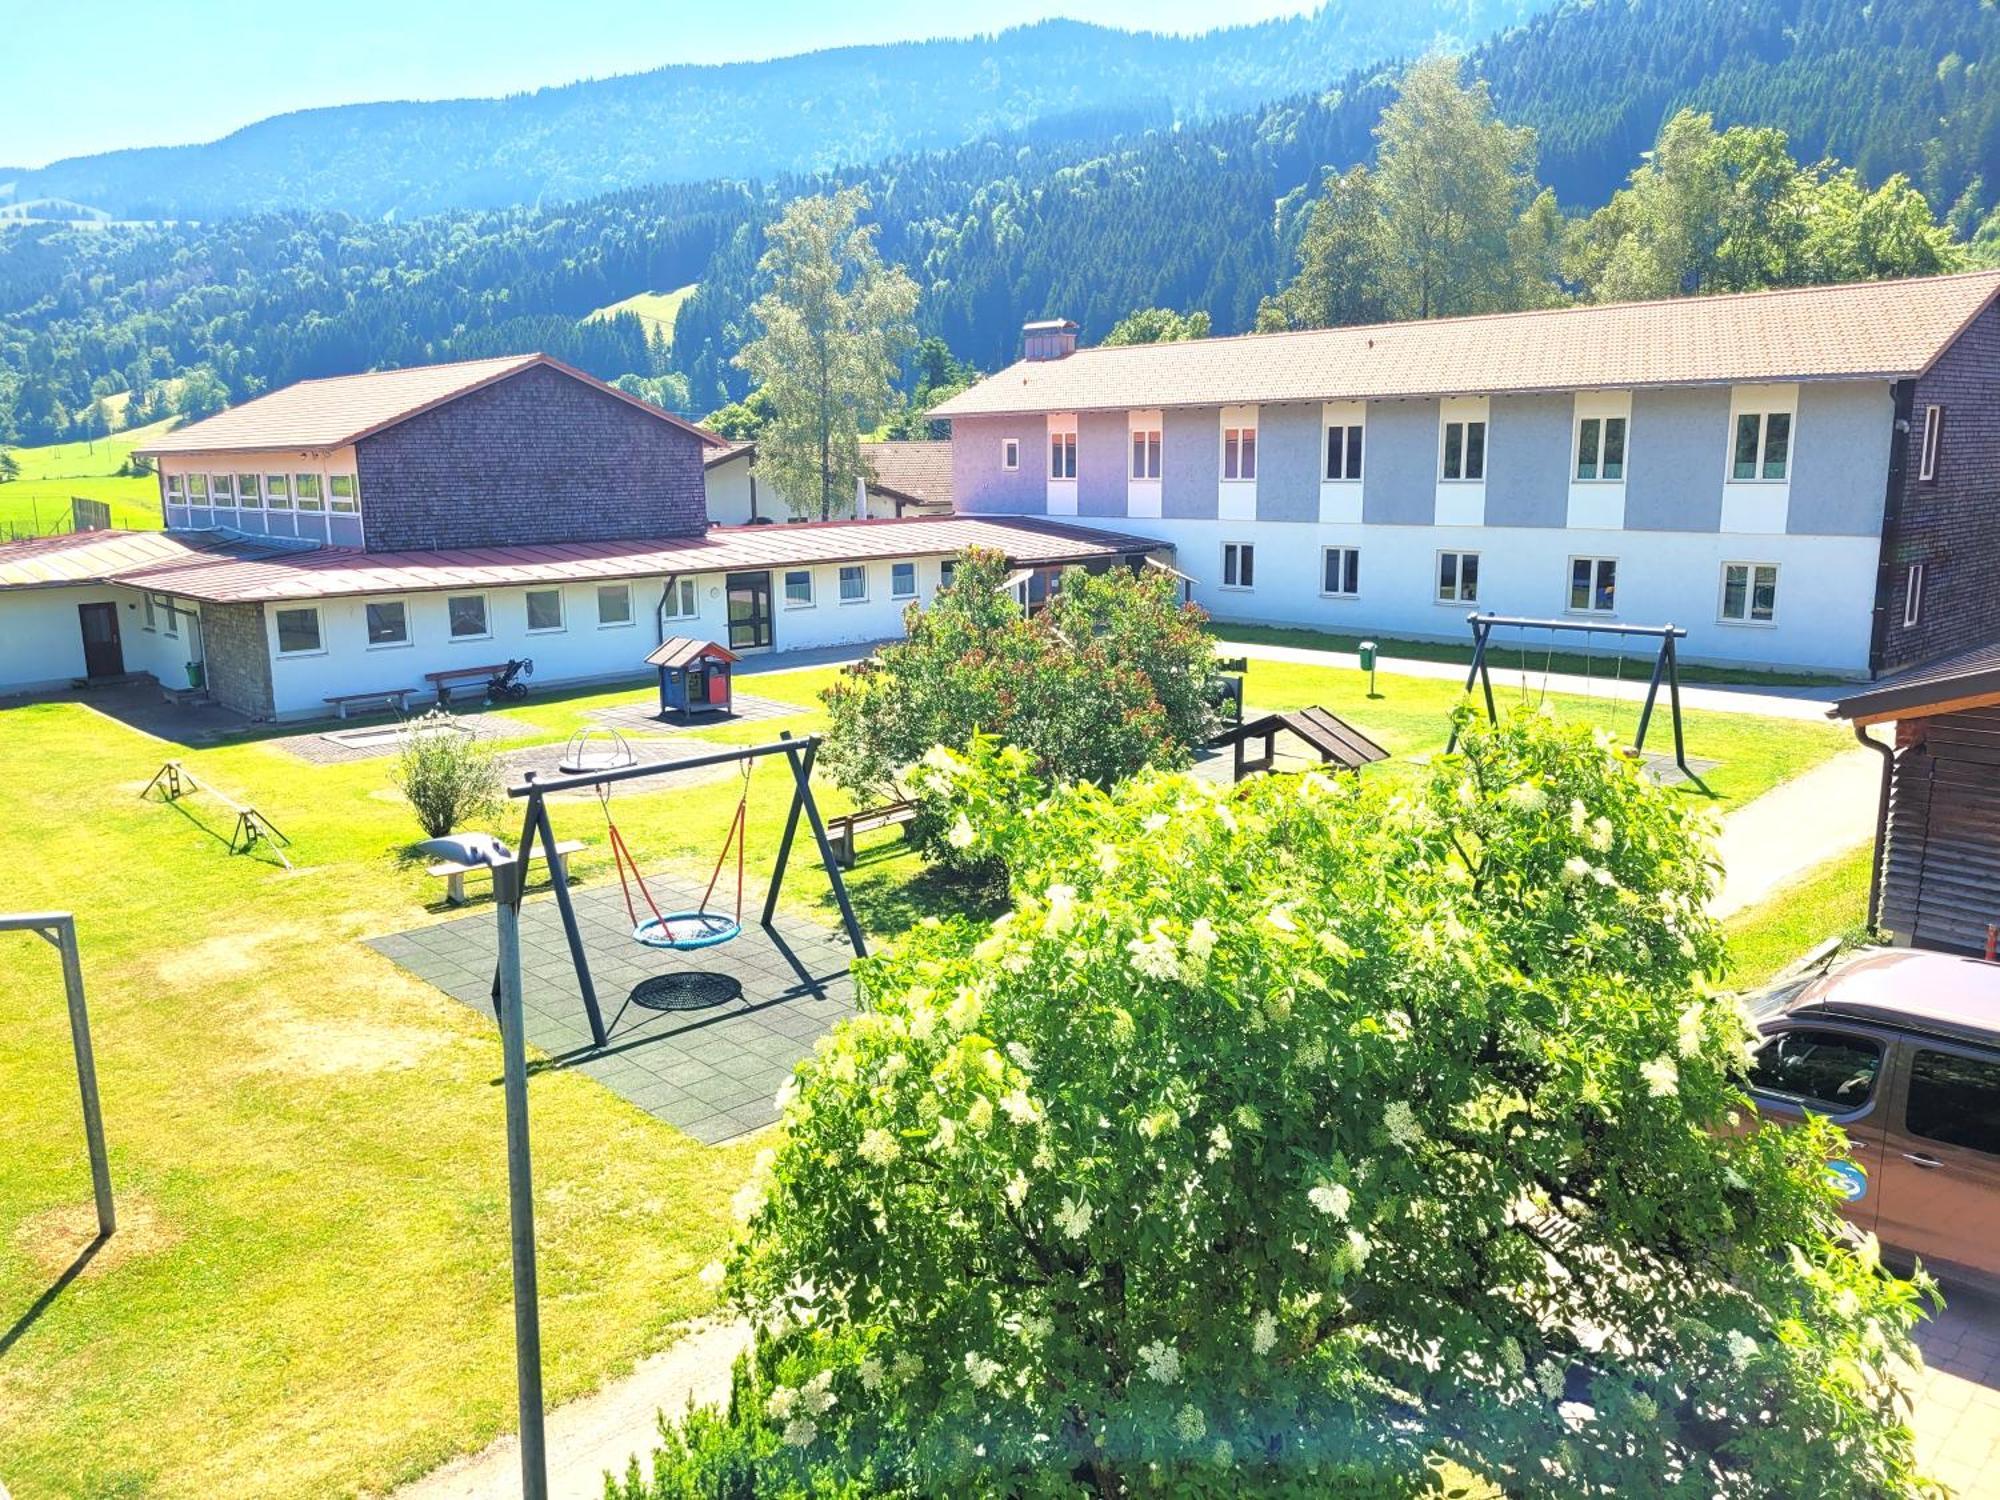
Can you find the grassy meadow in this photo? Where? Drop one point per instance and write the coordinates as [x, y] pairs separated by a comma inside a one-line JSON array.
[[38, 502], [657, 310]]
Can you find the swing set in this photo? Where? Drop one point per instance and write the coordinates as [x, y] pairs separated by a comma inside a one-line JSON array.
[[597, 759], [1666, 669]]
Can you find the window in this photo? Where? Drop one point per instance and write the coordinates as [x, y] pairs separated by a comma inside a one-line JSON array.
[[1464, 451], [175, 493], [1340, 570], [799, 587], [1239, 453], [170, 616], [1593, 584], [1763, 445], [947, 571], [1933, 430], [1010, 454], [1750, 593], [278, 491], [197, 489], [221, 490], [1913, 596], [1955, 1100], [1600, 448], [1458, 578], [340, 492], [903, 580], [545, 609], [1239, 565], [150, 623], [681, 602], [614, 604], [298, 632], [249, 491], [853, 584], [1146, 453], [307, 489], [1062, 455], [467, 616], [388, 624], [1343, 452], [1829, 1070]]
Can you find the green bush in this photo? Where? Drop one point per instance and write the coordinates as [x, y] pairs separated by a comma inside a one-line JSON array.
[[448, 774], [1287, 1140]]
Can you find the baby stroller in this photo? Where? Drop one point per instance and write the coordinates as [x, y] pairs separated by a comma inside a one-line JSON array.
[[509, 684]]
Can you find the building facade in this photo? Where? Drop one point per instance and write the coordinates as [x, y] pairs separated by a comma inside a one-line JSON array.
[[1801, 479]]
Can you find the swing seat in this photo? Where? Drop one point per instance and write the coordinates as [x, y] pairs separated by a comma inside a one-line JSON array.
[[687, 930]]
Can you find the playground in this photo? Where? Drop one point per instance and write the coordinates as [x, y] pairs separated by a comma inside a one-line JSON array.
[[308, 1292]]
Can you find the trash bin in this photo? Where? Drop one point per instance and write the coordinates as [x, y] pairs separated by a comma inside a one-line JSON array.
[[195, 674], [1367, 656]]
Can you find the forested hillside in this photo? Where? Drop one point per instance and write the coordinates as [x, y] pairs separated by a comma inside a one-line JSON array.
[[1091, 226], [814, 112]]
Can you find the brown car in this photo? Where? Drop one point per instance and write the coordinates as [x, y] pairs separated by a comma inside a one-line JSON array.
[[1901, 1048]]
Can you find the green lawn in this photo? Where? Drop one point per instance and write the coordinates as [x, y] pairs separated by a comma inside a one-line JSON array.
[[38, 502], [310, 1295], [657, 310], [1830, 900]]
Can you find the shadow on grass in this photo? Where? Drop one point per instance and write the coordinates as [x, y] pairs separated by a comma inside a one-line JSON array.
[[892, 890], [47, 1300]]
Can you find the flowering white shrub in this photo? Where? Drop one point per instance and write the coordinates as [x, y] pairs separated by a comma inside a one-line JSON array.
[[1283, 1140]]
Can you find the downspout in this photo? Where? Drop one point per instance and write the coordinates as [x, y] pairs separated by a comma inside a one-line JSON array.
[[1888, 754], [1903, 395], [660, 610]]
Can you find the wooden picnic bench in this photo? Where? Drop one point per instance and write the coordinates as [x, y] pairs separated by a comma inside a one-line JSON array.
[[442, 680], [454, 873], [842, 829], [396, 698]]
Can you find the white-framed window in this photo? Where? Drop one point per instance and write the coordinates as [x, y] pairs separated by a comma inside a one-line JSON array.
[[947, 571], [465, 615], [1458, 578], [197, 489], [340, 493], [682, 600], [1913, 595], [176, 492], [1462, 451], [1239, 452], [853, 583], [1239, 565], [1343, 451], [249, 491], [1763, 446], [150, 622], [545, 610], [1593, 585], [306, 486], [1062, 455], [1600, 449], [298, 631], [1749, 593], [388, 623], [799, 588], [221, 491], [1340, 571], [1933, 431], [1145, 453], [170, 619], [1010, 454], [614, 604], [278, 491], [903, 580]]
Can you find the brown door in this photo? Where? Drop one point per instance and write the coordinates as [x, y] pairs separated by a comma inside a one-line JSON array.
[[103, 656], [1939, 1187]]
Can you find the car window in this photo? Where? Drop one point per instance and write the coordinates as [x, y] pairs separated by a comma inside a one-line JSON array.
[[1830, 1070], [1955, 1100]]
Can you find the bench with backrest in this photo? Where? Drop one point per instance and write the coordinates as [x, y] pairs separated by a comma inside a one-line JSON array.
[[842, 830], [396, 698], [442, 681], [454, 873]]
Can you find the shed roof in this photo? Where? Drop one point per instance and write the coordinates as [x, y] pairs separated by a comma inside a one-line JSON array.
[[685, 650], [1334, 738], [1969, 680], [1867, 330]]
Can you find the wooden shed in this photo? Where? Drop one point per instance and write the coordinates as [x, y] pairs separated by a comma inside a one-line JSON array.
[[694, 676], [1333, 739], [1936, 878]]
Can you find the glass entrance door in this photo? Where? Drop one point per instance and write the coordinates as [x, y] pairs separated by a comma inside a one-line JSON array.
[[749, 611]]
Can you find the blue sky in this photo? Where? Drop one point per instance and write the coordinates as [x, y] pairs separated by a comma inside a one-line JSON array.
[[175, 71]]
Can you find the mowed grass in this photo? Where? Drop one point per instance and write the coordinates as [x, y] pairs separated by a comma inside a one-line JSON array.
[[657, 310], [39, 501], [1830, 900]]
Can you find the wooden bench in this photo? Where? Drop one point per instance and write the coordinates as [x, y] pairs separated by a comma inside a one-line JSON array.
[[454, 873], [841, 830], [396, 698], [442, 680]]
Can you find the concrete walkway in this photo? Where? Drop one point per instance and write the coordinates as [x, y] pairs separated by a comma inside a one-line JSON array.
[[1796, 826]]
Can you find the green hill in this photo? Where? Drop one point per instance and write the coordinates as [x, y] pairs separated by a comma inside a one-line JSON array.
[[38, 502], [655, 310]]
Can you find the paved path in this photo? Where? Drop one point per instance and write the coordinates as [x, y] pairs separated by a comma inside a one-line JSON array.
[[1796, 826]]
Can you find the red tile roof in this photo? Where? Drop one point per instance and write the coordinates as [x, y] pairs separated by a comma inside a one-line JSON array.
[[1869, 330], [913, 470]]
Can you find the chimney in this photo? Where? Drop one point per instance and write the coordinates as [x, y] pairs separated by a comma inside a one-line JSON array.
[[1052, 338]]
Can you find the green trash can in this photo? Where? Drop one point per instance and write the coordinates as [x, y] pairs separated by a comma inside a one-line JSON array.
[[1368, 656], [196, 675]]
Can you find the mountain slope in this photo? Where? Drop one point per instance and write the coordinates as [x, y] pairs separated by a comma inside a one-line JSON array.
[[797, 114]]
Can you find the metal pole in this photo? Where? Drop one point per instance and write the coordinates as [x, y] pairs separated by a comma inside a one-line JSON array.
[[802, 773], [1653, 690], [507, 881], [86, 1073]]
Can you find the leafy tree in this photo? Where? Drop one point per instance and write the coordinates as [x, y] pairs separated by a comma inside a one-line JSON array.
[[201, 394], [669, 392], [935, 374], [836, 323], [1286, 1139], [447, 773], [1339, 278], [741, 420], [1158, 325], [10, 466]]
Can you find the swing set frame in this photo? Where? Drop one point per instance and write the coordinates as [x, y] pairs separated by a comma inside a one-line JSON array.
[[1666, 668], [799, 754]]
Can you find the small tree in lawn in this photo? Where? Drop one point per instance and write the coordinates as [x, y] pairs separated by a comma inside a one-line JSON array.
[[449, 776], [1286, 1140]]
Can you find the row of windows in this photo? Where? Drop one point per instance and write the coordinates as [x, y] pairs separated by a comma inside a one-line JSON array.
[[264, 491], [1748, 591], [852, 584], [1761, 450]]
